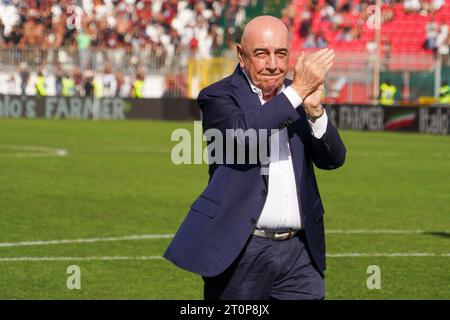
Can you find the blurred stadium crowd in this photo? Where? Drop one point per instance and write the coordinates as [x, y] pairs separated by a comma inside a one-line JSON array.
[[111, 45], [166, 31], [161, 26], [343, 23]]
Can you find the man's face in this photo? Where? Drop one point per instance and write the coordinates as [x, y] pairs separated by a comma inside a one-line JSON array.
[[265, 57]]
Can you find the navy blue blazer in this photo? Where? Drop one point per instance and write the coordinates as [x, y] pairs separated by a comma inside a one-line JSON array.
[[222, 218]]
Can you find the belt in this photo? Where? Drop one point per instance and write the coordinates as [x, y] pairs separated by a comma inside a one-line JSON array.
[[275, 235]]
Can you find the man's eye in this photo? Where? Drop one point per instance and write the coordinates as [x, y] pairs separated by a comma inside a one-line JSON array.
[[281, 54]]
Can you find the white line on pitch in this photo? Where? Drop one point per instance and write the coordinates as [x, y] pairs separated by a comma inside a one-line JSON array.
[[13, 259], [31, 151], [142, 258], [87, 240], [395, 254], [167, 236], [383, 231]]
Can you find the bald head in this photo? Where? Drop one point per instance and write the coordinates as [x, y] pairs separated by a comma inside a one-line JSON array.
[[264, 53], [267, 25]]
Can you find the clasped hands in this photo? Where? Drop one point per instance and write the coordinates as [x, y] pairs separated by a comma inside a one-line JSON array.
[[309, 77]]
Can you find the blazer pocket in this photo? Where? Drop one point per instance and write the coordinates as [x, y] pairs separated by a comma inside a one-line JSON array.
[[205, 206], [318, 210]]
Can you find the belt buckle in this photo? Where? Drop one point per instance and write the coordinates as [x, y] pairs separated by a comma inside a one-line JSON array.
[[282, 236], [290, 234]]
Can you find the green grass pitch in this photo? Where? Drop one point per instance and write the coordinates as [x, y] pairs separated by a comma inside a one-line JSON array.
[[390, 202]]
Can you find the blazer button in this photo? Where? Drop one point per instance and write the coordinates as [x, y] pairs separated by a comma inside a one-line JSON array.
[[264, 192], [253, 221]]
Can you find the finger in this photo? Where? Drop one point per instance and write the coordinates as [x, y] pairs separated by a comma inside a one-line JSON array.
[[313, 56], [329, 64], [300, 60], [329, 60], [318, 54], [326, 56]]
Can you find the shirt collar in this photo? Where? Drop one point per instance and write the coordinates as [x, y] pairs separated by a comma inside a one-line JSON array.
[[257, 90]]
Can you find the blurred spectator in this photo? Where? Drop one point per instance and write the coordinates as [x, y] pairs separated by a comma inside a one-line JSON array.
[[386, 50], [444, 93], [40, 85], [24, 74], [170, 86], [14, 37], [98, 87], [83, 44], [442, 37], [288, 15], [437, 4], [138, 85], [88, 84], [174, 86], [387, 93], [321, 41], [310, 41], [411, 6], [120, 81], [123, 88], [68, 86], [431, 30], [2, 33], [77, 76], [58, 80], [109, 82], [344, 34], [305, 23]]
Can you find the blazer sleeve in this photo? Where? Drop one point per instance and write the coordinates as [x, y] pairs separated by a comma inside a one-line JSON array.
[[329, 151], [221, 112]]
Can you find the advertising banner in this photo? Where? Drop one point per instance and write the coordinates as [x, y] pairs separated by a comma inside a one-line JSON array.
[[431, 119]]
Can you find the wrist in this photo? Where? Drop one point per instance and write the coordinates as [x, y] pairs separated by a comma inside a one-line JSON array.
[[314, 117], [302, 94]]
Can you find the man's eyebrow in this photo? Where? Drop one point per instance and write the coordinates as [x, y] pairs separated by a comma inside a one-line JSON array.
[[260, 49], [267, 50]]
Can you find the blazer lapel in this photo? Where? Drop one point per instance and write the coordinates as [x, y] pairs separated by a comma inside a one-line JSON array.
[[246, 99]]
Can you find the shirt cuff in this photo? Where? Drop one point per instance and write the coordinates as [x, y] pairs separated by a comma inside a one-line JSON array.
[[293, 96], [319, 126]]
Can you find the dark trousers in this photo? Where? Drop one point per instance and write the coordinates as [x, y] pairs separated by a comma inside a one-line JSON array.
[[268, 269]]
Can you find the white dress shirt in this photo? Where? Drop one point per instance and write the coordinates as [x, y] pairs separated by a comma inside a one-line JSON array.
[[281, 210]]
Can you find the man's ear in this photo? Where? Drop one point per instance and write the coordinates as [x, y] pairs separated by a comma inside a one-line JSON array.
[[240, 54]]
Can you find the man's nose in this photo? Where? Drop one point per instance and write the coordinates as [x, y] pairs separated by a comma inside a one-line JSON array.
[[272, 64]]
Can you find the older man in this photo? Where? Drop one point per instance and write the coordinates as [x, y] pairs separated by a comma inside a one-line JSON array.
[[249, 234]]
